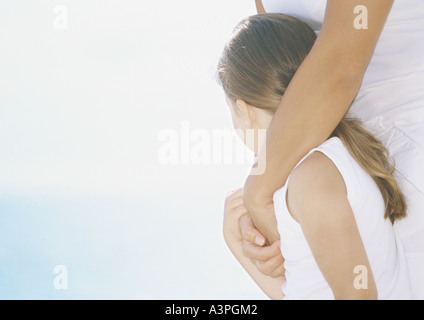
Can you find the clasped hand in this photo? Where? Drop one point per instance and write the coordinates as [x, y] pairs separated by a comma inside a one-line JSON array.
[[240, 234]]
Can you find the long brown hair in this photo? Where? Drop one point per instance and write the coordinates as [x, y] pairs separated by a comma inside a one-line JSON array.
[[257, 65]]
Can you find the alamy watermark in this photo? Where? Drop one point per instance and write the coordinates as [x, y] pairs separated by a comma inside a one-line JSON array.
[[60, 281], [188, 146], [361, 280], [361, 20], [60, 20]]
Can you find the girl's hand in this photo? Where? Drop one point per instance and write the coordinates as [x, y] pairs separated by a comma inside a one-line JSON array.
[[240, 232], [268, 259], [233, 210], [252, 257]]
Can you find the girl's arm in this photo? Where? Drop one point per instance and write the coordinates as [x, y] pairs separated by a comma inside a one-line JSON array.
[[234, 210], [317, 199], [316, 100]]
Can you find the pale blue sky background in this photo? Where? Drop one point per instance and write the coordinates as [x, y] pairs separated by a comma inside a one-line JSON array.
[[80, 181]]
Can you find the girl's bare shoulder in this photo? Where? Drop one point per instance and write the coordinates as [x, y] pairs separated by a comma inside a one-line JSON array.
[[315, 182]]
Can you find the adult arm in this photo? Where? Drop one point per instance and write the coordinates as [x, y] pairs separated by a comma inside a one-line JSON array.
[[316, 100], [259, 6]]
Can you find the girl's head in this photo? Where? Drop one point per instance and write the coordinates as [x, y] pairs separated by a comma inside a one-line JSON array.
[[258, 64], [255, 70]]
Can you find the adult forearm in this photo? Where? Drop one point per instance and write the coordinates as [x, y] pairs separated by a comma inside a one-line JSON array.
[[316, 100], [259, 6]]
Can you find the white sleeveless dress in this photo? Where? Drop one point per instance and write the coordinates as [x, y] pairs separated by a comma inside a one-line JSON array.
[[304, 280], [391, 105]]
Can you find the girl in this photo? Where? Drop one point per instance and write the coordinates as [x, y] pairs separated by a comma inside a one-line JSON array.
[[335, 211], [371, 49]]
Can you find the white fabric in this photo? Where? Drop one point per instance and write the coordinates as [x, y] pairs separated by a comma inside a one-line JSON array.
[[304, 279], [391, 104]]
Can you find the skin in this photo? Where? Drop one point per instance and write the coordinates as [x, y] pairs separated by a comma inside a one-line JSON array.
[[303, 121], [235, 213], [317, 200], [259, 7]]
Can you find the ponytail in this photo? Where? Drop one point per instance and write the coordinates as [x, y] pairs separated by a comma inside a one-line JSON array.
[[372, 156]]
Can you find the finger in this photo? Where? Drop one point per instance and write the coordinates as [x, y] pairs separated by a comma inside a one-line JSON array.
[[235, 194], [233, 200], [249, 231], [274, 267], [280, 271], [234, 203], [240, 210], [253, 251]]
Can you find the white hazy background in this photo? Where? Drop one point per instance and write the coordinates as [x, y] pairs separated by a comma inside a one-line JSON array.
[[81, 185]]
